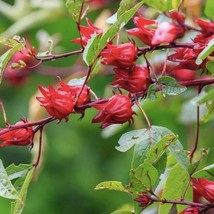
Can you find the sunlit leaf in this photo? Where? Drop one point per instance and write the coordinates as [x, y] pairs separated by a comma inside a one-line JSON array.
[[111, 185], [5, 58], [209, 9], [76, 8], [7, 190], [18, 206], [205, 52], [174, 187], [206, 172]]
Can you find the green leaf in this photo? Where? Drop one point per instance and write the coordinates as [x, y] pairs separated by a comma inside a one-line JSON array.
[[15, 172], [206, 172], [174, 187], [152, 92], [163, 5], [170, 86], [205, 52], [124, 6], [208, 97], [111, 185], [92, 49], [122, 212], [19, 203], [7, 190], [145, 139], [143, 178], [76, 8], [156, 152], [96, 67], [209, 9], [97, 43], [210, 66], [5, 58]]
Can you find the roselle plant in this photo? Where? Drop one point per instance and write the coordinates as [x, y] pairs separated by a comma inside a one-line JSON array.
[[150, 57]]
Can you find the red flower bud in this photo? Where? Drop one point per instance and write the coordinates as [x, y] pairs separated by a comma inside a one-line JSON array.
[[143, 30], [61, 102], [165, 33], [143, 200], [17, 137], [116, 110], [18, 68], [86, 33], [122, 56], [204, 187], [183, 74], [134, 80], [180, 17], [190, 210]]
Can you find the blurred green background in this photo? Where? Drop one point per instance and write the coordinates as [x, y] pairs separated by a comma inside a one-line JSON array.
[[76, 156]]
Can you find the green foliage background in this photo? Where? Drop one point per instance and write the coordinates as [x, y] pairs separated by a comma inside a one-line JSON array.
[[77, 156]]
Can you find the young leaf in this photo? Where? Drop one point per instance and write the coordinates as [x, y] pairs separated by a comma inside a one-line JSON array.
[[15, 172], [206, 172], [76, 8], [174, 187], [209, 9], [122, 212], [5, 58], [7, 190], [152, 92], [170, 86], [19, 203], [97, 43], [210, 67], [143, 178], [205, 52], [111, 185]]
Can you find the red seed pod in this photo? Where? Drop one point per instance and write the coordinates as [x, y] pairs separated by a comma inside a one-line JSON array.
[[61, 102], [17, 137], [177, 16], [86, 33], [190, 210], [204, 187], [122, 56], [143, 30], [133, 80], [116, 110], [207, 27]]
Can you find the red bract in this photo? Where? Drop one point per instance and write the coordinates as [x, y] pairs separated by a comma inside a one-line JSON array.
[[116, 110], [143, 200], [86, 33], [204, 187], [133, 80], [165, 33], [61, 102], [190, 210], [122, 56], [17, 137], [144, 30], [177, 16], [207, 27]]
